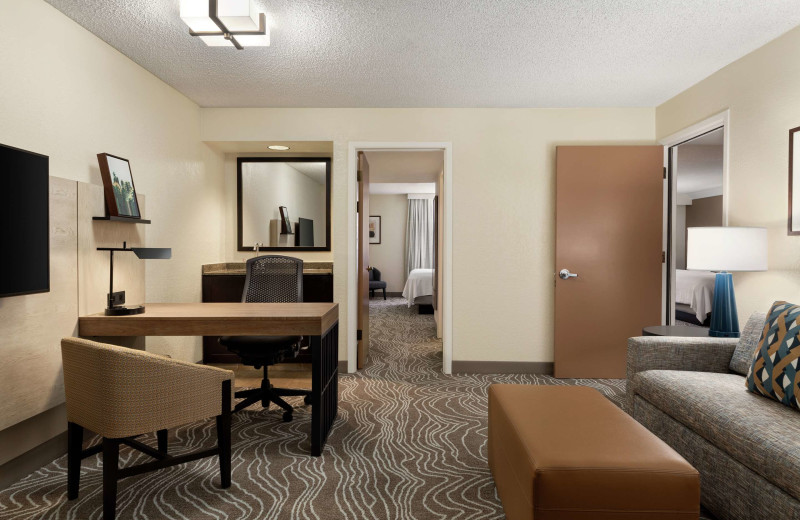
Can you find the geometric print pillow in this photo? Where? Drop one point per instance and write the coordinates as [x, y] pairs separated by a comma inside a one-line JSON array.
[[774, 372]]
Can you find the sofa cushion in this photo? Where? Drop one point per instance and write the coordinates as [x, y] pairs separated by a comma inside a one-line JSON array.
[[761, 434], [748, 343], [774, 372]]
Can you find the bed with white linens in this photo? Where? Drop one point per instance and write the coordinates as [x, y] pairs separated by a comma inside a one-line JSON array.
[[419, 283], [695, 290]]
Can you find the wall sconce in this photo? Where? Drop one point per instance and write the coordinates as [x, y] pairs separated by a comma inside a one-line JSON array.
[[116, 300], [226, 23]]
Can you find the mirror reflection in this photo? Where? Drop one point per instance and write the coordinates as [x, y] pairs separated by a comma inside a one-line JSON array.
[[284, 203]]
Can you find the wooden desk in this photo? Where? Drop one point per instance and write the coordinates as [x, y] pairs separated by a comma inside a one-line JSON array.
[[319, 321]]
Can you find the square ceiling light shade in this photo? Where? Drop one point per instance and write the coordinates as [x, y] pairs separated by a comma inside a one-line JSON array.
[[237, 19]]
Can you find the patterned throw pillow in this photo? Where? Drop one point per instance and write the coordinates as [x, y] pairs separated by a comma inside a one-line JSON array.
[[774, 372]]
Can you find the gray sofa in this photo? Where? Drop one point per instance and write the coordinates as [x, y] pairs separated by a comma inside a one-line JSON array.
[[691, 393]]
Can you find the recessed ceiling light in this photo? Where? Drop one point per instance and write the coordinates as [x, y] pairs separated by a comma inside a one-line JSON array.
[[278, 147]]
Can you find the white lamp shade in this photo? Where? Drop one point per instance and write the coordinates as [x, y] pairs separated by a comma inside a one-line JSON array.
[[238, 15], [726, 248], [194, 13]]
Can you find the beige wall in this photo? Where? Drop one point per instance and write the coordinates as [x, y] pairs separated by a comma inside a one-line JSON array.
[[760, 90], [503, 196], [66, 94], [389, 256]]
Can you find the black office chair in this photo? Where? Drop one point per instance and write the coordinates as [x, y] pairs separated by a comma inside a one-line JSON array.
[[270, 279], [375, 282]]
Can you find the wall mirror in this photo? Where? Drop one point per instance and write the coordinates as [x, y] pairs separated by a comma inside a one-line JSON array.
[[284, 203], [794, 181]]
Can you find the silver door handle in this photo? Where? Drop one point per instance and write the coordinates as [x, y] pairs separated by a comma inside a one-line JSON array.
[[564, 274]]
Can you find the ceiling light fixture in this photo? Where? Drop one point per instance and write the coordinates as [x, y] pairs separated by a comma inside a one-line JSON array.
[[226, 23], [278, 147]]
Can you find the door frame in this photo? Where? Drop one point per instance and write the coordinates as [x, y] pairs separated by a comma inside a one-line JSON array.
[[352, 242], [720, 119]]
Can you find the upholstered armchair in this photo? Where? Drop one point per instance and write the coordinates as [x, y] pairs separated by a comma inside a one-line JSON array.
[[121, 393], [375, 282]]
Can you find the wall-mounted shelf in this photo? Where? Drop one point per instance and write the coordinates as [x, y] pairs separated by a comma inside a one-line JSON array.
[[124, 219]]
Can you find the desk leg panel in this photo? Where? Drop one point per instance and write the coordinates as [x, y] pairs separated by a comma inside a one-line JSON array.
[[324, 386]]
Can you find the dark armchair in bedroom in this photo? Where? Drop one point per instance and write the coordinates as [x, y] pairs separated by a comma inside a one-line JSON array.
[[375, 282]]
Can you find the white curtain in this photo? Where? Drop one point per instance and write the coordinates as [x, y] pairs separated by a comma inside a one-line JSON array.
[[419, 234]]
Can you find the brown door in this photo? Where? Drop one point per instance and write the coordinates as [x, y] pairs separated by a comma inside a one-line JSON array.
[[363, 259], [609, 212]]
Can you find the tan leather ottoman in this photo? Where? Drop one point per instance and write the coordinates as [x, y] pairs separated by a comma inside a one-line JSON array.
[[567, 452]]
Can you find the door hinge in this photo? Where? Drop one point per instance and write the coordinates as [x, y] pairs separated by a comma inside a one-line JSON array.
[[359, 334], [665, 172], [358, 175], [358, 206], [663, 257]]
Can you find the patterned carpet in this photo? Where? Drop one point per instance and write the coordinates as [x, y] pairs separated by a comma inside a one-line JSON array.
[[409, 443]]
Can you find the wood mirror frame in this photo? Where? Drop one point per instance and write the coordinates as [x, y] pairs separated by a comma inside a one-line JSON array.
[[241, 160]]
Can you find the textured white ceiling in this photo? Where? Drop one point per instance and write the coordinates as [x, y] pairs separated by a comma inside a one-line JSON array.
[[446, 53]]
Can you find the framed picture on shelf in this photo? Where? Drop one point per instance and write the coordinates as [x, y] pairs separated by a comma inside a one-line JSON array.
[[374, 229], [118, 185], [286, 225]]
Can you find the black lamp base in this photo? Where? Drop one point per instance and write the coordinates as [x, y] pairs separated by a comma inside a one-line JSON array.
[[125, 311]]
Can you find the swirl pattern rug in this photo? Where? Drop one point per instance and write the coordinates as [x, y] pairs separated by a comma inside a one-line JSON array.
[[409, 443]]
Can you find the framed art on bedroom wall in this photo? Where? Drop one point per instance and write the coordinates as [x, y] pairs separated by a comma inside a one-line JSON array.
[[374, 229]]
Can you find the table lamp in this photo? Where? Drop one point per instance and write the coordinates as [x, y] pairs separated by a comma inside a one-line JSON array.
[[116, 300], [725, 249]]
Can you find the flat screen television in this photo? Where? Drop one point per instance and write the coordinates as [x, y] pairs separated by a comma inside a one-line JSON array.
[[304, 232], [24, 222]]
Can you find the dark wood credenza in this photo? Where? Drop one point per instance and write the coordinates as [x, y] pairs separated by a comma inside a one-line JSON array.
[[225, 283]]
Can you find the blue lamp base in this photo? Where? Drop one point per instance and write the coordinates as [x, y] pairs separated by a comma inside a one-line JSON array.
[[724, 318]]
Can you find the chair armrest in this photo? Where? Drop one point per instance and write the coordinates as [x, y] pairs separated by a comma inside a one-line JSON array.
[[119, 392], [676, 353]]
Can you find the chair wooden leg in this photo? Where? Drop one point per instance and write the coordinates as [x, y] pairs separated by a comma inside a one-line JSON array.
[[384, 293], [224, 436], [110, 469], [162, 441], [74, 456]]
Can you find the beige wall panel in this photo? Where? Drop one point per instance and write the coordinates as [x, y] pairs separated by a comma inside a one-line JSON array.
[[31, 326], [389, 256], [760, 90], [503, 202], [93, 265]]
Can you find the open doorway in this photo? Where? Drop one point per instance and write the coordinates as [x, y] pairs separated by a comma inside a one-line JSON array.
[[408, 201], [696, 199]]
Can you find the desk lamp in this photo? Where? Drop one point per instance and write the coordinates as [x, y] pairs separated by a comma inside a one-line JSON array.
[[116, 300], [725, 249]]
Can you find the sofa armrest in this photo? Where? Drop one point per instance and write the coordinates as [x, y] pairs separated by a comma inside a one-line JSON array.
[[676, 353]]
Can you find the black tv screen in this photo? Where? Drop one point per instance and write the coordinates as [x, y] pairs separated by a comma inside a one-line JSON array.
[[24, 218]]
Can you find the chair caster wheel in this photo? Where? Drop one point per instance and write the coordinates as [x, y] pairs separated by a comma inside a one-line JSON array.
[[307, 399], [287, 416]]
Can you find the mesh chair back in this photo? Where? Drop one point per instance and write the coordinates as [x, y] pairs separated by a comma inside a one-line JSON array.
[[273, 279]]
